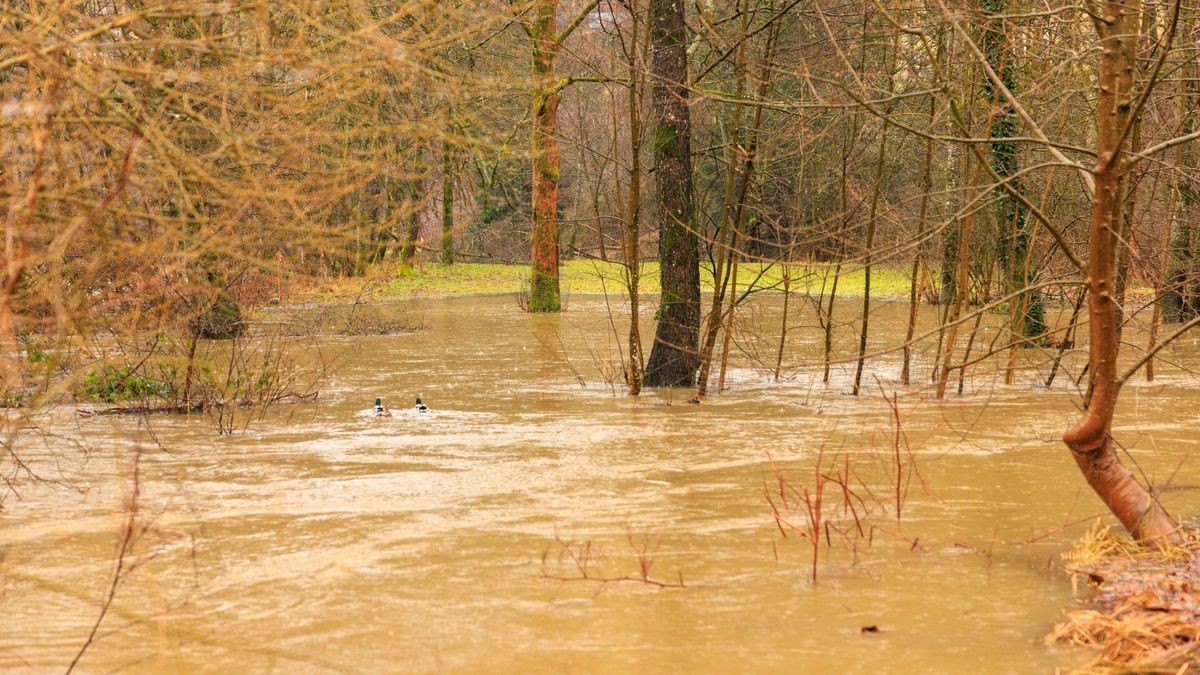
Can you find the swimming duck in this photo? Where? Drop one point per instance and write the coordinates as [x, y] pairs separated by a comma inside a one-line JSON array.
[[381, 411], [420, 407]]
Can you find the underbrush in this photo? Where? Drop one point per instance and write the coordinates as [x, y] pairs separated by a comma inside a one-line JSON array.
[[111, 384], [230, 380]]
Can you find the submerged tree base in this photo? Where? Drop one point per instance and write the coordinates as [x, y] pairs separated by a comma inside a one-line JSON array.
[[1145, 616]]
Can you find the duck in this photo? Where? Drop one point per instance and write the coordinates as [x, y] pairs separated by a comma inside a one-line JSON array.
[[381, 411], [420, 407]]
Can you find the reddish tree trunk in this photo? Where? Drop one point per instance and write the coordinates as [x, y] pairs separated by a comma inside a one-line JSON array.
[[1089, 439]]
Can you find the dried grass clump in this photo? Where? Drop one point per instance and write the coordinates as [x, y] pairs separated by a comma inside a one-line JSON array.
[[1146, 615]]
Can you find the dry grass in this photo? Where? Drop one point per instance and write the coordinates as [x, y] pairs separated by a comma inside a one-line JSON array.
[[1146, 613]]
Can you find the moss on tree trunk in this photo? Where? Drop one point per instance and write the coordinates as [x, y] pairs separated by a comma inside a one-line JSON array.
[[674, 357]]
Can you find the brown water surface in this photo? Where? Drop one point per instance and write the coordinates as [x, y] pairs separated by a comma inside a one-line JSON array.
[[320, 540]]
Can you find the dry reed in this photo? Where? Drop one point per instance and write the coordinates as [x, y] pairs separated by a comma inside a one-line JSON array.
[[1145, 614]]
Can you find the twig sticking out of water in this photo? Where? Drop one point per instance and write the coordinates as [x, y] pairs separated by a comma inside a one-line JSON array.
[[132, 528], [789, 498], [834, 500], [904, 465], [583, 556]]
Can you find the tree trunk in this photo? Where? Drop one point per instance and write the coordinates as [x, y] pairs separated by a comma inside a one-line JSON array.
[[412, 235], [633, 262], [449, 173], [1181, 297], [1012, 217], [543, 255], [914, 295], [961, 284], [725, 242], [1089, 439], [872, 220], [673, 358]]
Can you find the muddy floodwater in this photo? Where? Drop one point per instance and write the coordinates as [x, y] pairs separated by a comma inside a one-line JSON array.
[[319, 540]]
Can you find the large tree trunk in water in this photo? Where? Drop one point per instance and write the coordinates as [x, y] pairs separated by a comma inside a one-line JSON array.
[[673, 358], [543, 255], [1089, 440]]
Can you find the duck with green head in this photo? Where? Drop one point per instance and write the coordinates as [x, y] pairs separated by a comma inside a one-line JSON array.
[[381, 411], [420, 407]]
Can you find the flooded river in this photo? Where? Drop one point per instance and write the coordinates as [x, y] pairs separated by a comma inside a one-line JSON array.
[[318, 540]]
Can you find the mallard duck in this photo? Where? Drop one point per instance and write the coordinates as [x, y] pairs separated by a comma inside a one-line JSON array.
[[381, 411], [420, 407]]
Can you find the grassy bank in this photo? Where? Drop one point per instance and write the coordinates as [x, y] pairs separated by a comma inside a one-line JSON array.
[[577, 276]]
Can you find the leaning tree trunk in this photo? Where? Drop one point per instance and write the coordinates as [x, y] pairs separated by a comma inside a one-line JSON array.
[[543, 255], [673, 358], [1089, 439]]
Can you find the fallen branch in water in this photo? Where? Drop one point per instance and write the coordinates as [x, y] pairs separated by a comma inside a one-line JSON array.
[[199, 407]]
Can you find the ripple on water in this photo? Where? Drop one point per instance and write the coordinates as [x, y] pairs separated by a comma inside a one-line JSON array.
[[417, 542]]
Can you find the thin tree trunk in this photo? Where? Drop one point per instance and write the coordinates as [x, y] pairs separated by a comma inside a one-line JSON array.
[[1089, 440], [966, 359], [734, 213], [1068, 337], [872, 220], [728, 336], [633, 370], [827, 325], [412, 232], [961, 288], [725, 242], [449, 175], [914, 300], [783, 320]]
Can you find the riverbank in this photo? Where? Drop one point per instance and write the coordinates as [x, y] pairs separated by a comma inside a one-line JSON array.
[[1144, 615], [397, 282]]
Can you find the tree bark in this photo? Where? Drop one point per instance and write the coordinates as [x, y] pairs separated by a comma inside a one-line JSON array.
[[673, 358], [872, 220], [1089, 440], [449, 173], [633, 258], [1030, 320], [543, 256], [914, 295], [412, 235], [1181, 297]]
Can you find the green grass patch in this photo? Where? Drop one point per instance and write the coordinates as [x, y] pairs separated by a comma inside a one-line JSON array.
[[586, 277]]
